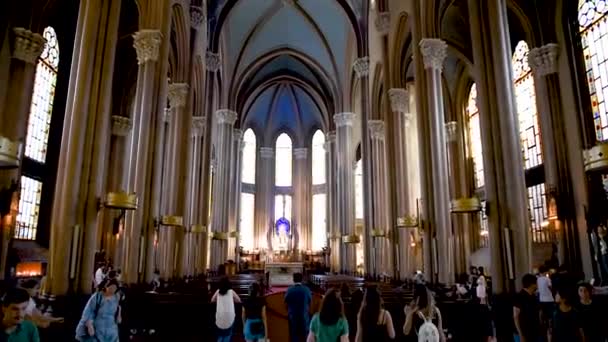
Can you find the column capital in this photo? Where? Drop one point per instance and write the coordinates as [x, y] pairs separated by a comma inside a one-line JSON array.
[[213, 61], [543, 60], [225, 116], [266, 152], [344, 119], [451, 131], [399, 99], [198, 126], [121, 125], [383, 23], [361, 66], [434, 51], [177, 94], [300, 153], [197, 17], [27, 45], [377, 129], [237, 134], [147, 45], [331, 136]]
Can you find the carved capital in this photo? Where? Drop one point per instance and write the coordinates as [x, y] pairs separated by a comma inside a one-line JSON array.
[[147, 45], [121, 125], [212, 61], [331, 137], [197, 17], [237, 135], [434, 51], [225, 116], [198, 126], [399, 99], [266, 152], [177, 94], [377, 129], [543, 60], [361, 67], [383, 23], [300, 153], [451, 131], [344, 119], [27, 45]]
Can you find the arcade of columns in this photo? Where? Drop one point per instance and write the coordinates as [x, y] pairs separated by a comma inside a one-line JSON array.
[[154, 165]]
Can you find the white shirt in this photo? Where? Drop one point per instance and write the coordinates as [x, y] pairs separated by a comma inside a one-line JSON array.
[[29, 309], [544, 289], [99, 276], [225, 315]]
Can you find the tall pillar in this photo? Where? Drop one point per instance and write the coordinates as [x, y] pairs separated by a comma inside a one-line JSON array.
[[333, 234], [264, 195], [225, 120], [505, 187], [300, 203], [235, 193], [433, 53], [558, 183], [346, 186], [27, 47], [399, 101]]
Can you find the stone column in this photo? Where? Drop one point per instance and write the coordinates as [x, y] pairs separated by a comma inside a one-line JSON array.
[[264, 195], [505, 187], [27, 47], [333, 242], [434, 52], [346, 186], [82, 162], [300, 200], [225, 119], [235, 193], [558, 183]]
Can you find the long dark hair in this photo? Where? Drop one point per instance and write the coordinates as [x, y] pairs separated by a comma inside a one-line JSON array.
[[332, 308], [421, 297], [370, 311], [254, 291], [224, 285]]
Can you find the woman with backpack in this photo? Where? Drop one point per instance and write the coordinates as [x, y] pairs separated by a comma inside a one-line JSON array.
[[373, 322], [224, 298], [422, 318], [254, 315], [101, 315], [330, 324]]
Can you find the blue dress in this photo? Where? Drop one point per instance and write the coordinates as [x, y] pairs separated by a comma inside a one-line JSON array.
[[102, 311]]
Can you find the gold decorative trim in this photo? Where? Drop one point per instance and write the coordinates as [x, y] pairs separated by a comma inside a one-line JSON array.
[[408, 221], [172, 221], [9, 153], [378, 233], [596, 158], [198, 228], [335, 237], [234, 234], [466, 205], [221, 236], [121, 200], [351, 239]]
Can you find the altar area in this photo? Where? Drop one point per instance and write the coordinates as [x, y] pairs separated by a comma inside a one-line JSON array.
[[281, 273]]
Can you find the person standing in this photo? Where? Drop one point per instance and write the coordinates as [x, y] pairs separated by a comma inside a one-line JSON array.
[[422, 314], [482, 287], [566, 325], [14, 325], [101, 315], [225, 298], [330, 324], [526, 312], [298, 299], [100, 274], [545, 294], [592, 317], [373, 322], [254, 315]]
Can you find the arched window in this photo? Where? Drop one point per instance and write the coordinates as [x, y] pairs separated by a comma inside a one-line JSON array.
[[37, 136], [593, 24], [529, 130], [359, 190], [283, 160], [282, 207], [319, 197], [247, 205]]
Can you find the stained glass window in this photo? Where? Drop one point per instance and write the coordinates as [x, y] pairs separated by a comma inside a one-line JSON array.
[[249, 155], [283, 160], [247, 221], [537, 206], [319, 223], [359, 190], [594, 35], [282, 207], [42, 99], [318, 158], [29, 208], [525, 97], [484, 232], [475, 149]]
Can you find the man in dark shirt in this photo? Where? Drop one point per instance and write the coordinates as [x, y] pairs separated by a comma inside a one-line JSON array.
[[526, 312], [298, 299]]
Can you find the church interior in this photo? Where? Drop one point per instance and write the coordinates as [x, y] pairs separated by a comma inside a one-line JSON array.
[[356, 142]]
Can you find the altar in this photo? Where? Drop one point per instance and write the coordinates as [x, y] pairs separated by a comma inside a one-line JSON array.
[[281, 273]]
